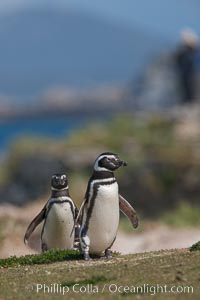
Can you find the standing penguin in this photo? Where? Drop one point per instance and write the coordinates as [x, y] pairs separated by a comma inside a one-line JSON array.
[[100, 209], [59, 216]]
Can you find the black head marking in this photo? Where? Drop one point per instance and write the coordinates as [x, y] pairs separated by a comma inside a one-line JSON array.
[[108, 161], [107, 153], [59, 181]]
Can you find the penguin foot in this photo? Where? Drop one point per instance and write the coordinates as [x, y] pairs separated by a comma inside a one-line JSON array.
[[87, 257], [44, 247], [102, 257], [108, 253], [77, 246]]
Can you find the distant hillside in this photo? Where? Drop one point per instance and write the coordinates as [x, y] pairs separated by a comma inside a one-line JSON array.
[[41, 48]]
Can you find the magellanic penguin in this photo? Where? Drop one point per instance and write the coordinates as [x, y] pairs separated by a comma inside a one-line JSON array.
[[58, 214], [100, 208]]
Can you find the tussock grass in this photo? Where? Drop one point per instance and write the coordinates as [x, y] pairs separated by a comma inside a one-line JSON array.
[[44, 258], [195, 247]]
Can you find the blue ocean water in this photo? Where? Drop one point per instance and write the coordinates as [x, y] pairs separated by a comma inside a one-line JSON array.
[[49, 127]]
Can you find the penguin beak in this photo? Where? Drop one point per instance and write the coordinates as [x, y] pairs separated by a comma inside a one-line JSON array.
[[123, 163]]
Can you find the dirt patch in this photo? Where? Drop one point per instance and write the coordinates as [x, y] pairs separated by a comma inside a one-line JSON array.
[[15, 221], [161, 237]]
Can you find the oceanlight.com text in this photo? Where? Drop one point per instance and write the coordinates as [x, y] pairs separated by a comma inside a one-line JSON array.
[[112, 288]]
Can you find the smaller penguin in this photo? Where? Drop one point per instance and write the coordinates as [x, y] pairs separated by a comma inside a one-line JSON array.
[[99, 212], [59, 215]]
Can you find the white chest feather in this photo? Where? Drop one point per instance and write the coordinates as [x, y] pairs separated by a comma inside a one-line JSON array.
[[104, 220], [58, 226]]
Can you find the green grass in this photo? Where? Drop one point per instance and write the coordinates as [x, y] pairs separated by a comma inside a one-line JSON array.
[[195, 247], [183, 215], [167, 267], [44, 258], [47, 257]]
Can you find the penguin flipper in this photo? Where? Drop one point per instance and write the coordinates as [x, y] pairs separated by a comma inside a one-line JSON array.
[[36, 221], [78, 217], [128, 211]]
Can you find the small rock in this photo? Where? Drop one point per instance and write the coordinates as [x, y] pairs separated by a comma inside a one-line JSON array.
[[47, 272], [179, 276]]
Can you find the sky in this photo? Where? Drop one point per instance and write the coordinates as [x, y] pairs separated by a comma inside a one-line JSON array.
[[175, 14], [167, 17], [162, 20]]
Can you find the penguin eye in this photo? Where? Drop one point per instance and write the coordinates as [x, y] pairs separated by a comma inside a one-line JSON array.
[[111, 159]]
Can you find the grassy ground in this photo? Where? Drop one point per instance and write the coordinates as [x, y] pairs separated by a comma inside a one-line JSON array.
[[179, 268]]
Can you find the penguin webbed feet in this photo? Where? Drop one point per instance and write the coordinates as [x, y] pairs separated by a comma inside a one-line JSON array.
[[108, 253], [44, 247], [87, 257]]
